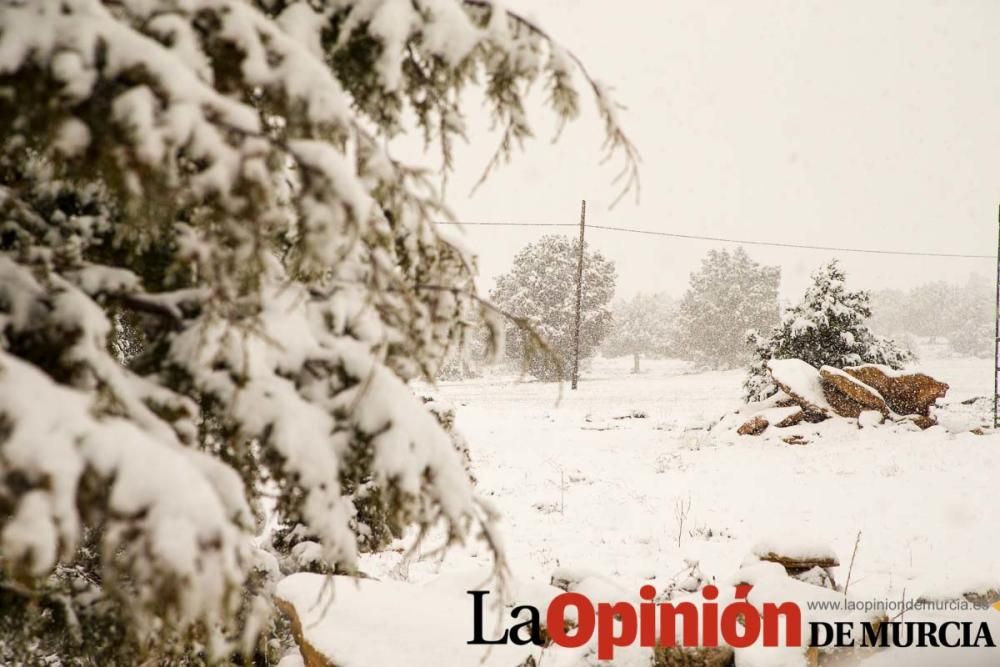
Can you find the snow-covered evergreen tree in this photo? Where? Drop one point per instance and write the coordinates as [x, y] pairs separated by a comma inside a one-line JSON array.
[[642, 325], [728, 296], [215, 282], [827, 328], [540, 290]]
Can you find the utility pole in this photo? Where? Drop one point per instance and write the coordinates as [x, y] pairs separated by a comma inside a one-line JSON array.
[[996, 340], [579, 297]]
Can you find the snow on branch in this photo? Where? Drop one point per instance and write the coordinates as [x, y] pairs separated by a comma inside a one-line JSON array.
[[176, 557], [564, 98], [215, 283]]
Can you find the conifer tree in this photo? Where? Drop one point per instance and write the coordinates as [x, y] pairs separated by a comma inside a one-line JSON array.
[[540, 290], [215, 282], [728, 296], [827, 328]]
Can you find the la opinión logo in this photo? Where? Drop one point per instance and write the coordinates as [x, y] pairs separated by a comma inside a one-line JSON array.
[[738, 624]]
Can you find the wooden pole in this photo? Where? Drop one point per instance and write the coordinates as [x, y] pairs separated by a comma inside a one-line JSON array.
[[996, 340], [579, 298]]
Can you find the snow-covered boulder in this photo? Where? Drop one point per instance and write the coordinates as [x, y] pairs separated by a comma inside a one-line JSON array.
[[814, 395], [802, 383], [847, 395], [793, 415], [918, 422], [904, 393], [753, 426], [780, 417]]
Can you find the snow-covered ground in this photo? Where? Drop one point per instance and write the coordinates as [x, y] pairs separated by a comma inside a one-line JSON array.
[[622, 477]]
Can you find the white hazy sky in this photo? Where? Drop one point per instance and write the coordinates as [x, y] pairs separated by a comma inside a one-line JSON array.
[[870, 123]]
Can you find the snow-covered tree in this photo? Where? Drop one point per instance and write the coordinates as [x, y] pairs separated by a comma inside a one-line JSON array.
[[215, 282], [728, 296], [927, 310], [973, 318], [642, 325], [827, 328], [962, 313], [540, 290]]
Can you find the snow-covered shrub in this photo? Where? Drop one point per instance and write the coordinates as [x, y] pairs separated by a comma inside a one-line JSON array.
[[214, 284], [540, 290], [728, 296], [642, 325], [827, 328]]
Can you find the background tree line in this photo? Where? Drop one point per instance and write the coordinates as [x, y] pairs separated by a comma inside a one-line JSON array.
[[730, 315]]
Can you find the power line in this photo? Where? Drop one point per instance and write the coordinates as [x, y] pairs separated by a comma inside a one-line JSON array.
[[696, 237], [512, 224]]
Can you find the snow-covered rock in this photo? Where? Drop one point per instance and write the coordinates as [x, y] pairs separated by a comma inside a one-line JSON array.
[[812, 395], [849, 396], [904, 393], [802, 383], [780, 417], [754, 426]]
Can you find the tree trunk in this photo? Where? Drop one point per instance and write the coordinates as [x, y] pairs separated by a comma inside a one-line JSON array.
[[635, 363]]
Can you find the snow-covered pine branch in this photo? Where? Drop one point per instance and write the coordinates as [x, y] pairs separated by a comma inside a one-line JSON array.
[[202, 190]]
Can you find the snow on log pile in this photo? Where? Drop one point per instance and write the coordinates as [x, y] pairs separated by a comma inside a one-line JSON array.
[[796, 555], [870, 395]]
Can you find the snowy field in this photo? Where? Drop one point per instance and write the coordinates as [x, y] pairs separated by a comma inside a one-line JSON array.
[[582, 484], [623, 478]]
